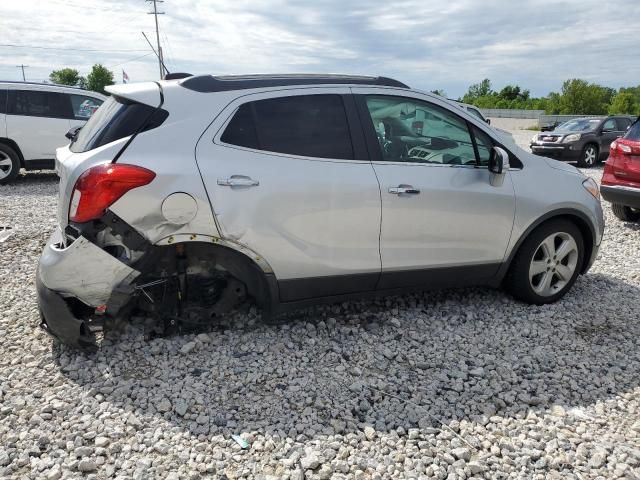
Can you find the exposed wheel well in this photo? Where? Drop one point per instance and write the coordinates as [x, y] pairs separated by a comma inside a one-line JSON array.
[[14, 145], [203, 256]]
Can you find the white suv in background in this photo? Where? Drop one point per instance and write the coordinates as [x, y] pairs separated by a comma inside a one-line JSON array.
[[181, 198], [34, 118]]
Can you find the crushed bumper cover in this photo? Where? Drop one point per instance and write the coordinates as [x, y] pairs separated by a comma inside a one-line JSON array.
[[58, 320], [81, 271]]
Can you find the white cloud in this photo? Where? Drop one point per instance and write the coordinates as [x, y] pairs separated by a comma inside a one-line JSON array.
[[428, 44]]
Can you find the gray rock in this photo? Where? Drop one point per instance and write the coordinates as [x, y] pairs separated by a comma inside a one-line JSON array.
[[87, 465], [310, 461], [188, 348], [462, 453]]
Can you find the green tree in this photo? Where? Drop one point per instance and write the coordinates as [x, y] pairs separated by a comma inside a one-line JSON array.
[[623, 102], [477, 90], [581, 97], [440, 92], [99, 78], [67, 76]]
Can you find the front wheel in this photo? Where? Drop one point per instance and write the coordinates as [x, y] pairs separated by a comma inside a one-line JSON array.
[[547, 264], [589, 156], [624, 213], [9, 164]]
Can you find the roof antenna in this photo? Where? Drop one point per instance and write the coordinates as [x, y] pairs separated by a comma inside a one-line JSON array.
[[156, 53]]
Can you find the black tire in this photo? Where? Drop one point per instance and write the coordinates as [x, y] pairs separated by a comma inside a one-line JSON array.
[[589, 156], [624, 213], [518, 281], [8, 172]]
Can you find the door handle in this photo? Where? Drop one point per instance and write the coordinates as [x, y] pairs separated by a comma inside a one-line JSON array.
[[238, 181], [404, 189]]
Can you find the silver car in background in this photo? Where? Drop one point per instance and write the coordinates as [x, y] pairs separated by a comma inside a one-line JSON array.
[[184, 198]]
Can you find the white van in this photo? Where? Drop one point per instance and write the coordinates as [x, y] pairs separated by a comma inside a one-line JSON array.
[[34, 118]]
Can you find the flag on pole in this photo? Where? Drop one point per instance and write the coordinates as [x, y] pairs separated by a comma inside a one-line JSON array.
[[125, 77]]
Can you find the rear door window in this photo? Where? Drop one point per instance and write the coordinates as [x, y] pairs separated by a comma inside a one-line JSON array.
[[115, 119], [83, 106], [623, 124], [306, 125], [634, 132], [40, 103]]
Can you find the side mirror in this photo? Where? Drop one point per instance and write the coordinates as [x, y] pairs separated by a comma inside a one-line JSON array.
[[72, 133], [498, 165], [488, 120]]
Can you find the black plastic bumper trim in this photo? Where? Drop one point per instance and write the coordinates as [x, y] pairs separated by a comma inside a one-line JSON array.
[[58, 320], [628, 198]]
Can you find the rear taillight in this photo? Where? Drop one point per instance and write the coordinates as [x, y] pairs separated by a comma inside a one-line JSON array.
[[99, 187], [624, 149]]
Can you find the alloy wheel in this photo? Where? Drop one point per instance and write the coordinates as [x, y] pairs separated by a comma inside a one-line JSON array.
[[5, 165], [553, 264], [590, 156]]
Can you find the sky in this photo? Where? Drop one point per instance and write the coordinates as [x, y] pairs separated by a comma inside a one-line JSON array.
[[428, 44]]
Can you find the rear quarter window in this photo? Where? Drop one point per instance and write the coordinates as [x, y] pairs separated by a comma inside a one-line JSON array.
[[115, 119], [83, 106]]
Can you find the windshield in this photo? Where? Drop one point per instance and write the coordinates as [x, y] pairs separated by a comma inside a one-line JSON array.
[[580, 124]]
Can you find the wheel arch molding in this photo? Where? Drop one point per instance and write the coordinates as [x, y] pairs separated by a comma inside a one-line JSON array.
[[580, 219]]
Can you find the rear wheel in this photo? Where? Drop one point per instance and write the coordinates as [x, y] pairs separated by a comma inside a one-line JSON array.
[[547, 264], [589, 156], [9, 163], [625, 213]]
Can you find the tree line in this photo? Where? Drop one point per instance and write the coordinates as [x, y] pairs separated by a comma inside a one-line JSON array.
[[97, 80], [576, 96]]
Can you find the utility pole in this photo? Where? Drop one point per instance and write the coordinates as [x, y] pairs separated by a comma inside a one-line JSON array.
[[23, 67], [155, 13]]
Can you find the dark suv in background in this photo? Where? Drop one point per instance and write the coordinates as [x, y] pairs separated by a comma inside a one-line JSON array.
[[585, 140]]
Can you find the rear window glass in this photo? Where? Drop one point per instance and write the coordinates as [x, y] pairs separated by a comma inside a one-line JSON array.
[[634, 132], [115, 119], [305, 125]]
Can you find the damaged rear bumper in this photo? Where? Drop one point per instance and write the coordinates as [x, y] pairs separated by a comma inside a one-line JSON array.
[[73, 280]]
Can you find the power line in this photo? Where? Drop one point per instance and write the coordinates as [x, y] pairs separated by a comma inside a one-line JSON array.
[[13, 45], [23, 67], [155, 14], [131, 60]]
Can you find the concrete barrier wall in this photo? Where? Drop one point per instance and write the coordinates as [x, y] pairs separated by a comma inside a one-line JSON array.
[[511, 113]]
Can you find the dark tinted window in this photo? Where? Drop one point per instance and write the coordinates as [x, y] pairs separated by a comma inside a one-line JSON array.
[[241, 130], [634, 132], [116, 119], [3, 101], [84, 107], [623, 124], [309, 126], [38, 103]]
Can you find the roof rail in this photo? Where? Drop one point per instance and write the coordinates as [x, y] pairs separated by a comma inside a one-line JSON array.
[[46, 84], [209, 83]]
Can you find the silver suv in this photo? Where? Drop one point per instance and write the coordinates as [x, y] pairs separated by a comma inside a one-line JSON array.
[[184, 198]]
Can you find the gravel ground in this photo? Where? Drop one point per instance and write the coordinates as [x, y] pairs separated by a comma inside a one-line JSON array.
[[455, 384]]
